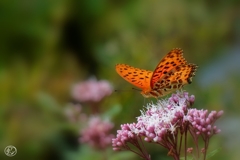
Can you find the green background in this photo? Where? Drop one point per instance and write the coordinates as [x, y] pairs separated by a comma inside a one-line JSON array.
[[47, 46]]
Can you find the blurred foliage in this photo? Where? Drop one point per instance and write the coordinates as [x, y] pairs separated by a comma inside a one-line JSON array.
[[47, 46]]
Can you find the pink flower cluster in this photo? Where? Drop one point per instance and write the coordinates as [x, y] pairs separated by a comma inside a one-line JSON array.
[[91, 90], [202, 122], [123, 136], [163, 123], [74, 113], [97, 134]]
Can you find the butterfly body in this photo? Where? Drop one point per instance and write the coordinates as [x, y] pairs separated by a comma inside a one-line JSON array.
[[172, 73]]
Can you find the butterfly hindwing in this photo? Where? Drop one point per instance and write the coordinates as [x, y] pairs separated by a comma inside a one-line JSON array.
[[169, 62], [175, 79], [138, 77]]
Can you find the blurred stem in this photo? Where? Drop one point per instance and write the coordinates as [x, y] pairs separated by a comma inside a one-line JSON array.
[[95, 107], [206, 147]]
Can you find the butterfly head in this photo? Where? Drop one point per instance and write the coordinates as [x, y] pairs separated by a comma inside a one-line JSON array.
[[150, 93], [146, 95]]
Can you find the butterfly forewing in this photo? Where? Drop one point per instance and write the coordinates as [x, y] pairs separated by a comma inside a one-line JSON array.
[[138, 77], [173, 59]]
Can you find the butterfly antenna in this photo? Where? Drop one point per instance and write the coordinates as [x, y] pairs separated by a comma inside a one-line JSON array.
[[126, 90], [136, 89], [122, 90]]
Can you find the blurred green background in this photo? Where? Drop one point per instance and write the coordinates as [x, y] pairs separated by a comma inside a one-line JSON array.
[[47, 46]]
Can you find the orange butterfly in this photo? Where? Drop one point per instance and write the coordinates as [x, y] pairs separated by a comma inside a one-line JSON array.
[[171, 74]]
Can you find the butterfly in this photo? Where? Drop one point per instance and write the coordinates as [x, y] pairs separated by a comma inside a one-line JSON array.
[[171, 73]]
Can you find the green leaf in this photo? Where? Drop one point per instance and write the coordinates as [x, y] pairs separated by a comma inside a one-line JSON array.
[[112, 112], [213, 153]]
